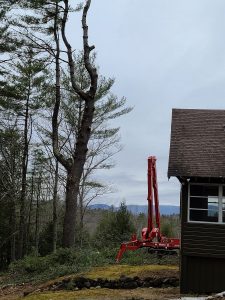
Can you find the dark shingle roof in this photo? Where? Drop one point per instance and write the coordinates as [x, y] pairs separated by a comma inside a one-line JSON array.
[[197, 146]]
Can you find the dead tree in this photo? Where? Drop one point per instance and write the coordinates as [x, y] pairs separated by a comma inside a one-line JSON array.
[[74, 165]]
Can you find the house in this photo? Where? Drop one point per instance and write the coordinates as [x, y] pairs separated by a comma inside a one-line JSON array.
[[197, 159]]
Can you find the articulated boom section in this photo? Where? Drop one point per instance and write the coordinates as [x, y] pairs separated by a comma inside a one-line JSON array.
[[151, 236]]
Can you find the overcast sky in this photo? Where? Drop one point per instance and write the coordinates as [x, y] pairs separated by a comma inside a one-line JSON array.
[[164, 54]]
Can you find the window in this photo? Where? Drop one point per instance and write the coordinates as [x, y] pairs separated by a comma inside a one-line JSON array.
[[223, 205], [206, 203]]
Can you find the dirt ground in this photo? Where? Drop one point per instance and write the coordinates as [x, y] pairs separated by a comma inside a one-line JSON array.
[[106, 294], [36, 292], [101, 294], [40, 292]]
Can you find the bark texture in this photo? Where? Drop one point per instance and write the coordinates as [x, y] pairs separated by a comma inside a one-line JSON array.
[[22, 229], [54, 212], [75, 164]]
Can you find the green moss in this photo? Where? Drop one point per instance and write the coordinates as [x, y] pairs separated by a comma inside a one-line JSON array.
[[115, 271], [83, 294], [109, 272]]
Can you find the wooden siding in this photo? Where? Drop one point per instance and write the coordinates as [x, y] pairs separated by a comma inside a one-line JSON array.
[[202, 253], [202, 275], [203, 240]]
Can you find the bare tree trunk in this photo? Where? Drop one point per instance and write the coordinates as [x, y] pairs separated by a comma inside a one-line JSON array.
[[74, 176], [81, 221], [30, 211], [81, 230], [13, 230], [55, 200], [81, 210], [69, 225], [13, 208], [74, 165], [24, 181], [37, 220]]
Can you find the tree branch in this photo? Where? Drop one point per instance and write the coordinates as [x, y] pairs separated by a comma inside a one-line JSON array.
[[76, 88], [87, 49], [55, 135]]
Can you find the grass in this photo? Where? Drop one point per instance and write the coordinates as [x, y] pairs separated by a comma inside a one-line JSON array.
[[74, 261], [144, 293], [115, 271], [38, 269], [106, 272]]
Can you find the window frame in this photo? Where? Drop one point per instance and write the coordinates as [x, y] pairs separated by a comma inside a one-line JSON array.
[[220, 203]]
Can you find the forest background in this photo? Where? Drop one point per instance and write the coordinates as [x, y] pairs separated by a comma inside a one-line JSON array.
[[58, 128]]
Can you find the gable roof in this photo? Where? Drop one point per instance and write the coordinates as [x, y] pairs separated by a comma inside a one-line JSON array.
[[197, 146]]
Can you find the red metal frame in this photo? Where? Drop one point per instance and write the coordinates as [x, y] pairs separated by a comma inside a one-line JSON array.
[[151, 236]]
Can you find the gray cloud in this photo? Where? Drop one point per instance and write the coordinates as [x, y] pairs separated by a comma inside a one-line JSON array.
[[163, 54]]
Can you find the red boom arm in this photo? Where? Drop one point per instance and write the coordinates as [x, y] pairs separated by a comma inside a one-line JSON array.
[[151, 236]]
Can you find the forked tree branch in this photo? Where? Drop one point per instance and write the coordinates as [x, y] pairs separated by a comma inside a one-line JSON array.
[[87, 50], [71, 64], [86, 96]]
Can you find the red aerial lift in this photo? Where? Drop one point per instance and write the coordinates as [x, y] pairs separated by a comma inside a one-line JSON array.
[[151, 236]]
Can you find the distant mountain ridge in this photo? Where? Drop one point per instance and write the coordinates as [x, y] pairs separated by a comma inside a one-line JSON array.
[[137, 209]]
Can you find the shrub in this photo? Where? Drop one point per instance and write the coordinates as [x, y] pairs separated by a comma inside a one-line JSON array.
[[114, 228], [30, 264], [167, 229], [63, 262]]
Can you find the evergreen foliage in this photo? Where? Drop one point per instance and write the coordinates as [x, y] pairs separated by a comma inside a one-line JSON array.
[[32, 183], [114, 228], [37, 83]]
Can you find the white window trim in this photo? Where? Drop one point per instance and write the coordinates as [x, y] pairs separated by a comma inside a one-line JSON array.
[[220, 196]]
